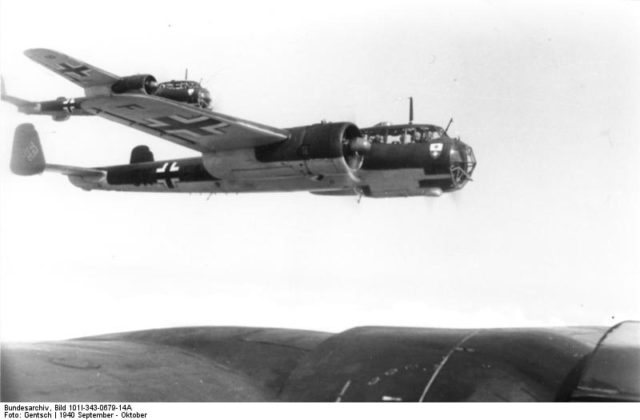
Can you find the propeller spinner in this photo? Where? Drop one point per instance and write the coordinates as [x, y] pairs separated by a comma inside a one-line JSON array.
[[355, 149]]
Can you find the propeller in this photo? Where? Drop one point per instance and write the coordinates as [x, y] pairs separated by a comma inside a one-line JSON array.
[[150, 85], [360, 145], [354, 151]]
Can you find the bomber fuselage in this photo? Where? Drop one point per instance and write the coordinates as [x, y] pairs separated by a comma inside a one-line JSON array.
[[304, 162]]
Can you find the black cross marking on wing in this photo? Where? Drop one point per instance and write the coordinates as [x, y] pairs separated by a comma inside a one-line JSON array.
[[197, 126], [81, 70]]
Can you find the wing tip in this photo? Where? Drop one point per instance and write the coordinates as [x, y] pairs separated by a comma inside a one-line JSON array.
[[39, 52]]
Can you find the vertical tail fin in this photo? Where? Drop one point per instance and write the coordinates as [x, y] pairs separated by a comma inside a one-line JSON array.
[[27, 157], [20, 103]]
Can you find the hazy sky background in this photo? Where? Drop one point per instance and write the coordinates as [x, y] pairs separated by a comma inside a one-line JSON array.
[[547, 94]]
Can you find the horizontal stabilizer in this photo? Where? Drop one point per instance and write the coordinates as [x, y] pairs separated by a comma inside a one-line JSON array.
[[27, 156], [75, 171]]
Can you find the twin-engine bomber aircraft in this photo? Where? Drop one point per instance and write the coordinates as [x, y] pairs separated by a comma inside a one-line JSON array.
[[238, 155]]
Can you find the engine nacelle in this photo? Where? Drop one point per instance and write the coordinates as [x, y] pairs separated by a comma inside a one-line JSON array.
[[139, 83], [320, 152], [319, 143]]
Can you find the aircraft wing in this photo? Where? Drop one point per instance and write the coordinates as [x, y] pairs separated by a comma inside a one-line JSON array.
[[76, 71], [280, 365], [196, 128]]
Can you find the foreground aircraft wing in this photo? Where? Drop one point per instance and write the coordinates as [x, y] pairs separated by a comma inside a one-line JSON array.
[[76, 71], [280, 365], [196, 128]]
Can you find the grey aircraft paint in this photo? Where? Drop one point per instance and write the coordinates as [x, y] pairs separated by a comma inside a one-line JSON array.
[[383, 364], [312, 159], [239, 155]]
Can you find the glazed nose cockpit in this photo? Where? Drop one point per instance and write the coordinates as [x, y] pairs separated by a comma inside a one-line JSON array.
[[462, 163]]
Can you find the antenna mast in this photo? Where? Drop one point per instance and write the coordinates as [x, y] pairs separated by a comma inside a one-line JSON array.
[[410, 109]]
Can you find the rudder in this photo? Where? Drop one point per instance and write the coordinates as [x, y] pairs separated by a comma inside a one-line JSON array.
[[27, 157]]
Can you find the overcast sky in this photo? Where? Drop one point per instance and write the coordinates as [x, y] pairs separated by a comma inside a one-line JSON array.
[[547, 94]]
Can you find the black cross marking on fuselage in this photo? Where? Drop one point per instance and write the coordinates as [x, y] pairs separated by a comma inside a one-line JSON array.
[[81, 70], [69, 105], [168, 174], [197, 126]]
